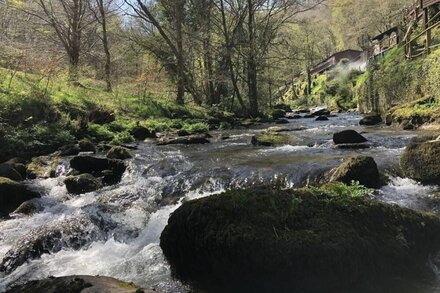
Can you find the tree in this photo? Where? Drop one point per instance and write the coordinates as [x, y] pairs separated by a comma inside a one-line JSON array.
[[102, 11], [72, 22]]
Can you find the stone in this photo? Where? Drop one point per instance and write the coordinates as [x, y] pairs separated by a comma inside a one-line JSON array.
[[95, 166], [118, 152], [142, 133], [269, 240], [421, 160], [322, 118], [86, 145], [77, 284], [273, 139], [281, 121], [277, 129], [191, 139], [361, 169], [8, 171], [371, 120], [13, 194], [82, 184], [347, 137]]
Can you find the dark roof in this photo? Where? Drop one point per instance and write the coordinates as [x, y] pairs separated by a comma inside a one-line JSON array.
[[336, 54], [391, 30]]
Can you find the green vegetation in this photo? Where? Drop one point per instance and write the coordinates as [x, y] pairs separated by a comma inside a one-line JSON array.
[[409, 87], [342, 190], [36, 119]]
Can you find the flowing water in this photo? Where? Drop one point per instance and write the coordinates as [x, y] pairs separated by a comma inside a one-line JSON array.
[[117, 229]]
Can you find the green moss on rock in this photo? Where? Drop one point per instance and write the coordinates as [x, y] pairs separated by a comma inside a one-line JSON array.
[[360, 169], [268, 240], [421, 160]]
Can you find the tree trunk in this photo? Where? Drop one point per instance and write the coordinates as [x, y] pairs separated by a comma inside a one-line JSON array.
[[251, 63], [180, 99], [229, 58], [105, 43]]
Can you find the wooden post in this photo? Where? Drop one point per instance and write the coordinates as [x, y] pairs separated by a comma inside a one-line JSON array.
[[428, 31]]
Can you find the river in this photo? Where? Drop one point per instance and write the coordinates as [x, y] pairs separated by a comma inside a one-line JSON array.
[[123, 222]]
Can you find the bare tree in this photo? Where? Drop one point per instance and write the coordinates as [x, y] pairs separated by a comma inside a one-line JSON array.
[[71, 20], [102, 11]]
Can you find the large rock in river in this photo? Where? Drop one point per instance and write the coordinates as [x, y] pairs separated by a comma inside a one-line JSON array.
[[362, 169], [82, 184], [421, 160], [266, 240], [96, 166], [12, 195], [371, 120], [348, 137]]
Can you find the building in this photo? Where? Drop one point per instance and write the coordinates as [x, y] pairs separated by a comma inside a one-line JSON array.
[[333, 60]]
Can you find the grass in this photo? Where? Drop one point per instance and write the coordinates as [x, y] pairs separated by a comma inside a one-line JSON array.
[[37, 117]]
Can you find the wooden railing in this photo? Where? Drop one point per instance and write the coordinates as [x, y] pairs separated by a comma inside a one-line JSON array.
[[417, 9], [420, 10]]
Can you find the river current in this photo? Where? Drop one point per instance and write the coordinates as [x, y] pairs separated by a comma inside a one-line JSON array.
[[119, 226]]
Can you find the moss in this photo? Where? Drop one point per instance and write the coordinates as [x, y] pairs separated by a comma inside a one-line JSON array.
[[421, 160], [271, 240]]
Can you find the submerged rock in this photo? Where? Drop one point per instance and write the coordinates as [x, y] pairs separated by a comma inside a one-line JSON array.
[[29, 207], [266, 240], [78, 284], [271, 139], [13, 194], [282, 121], [118, 152], [322, 118], [82, 184], [191, 139], [277, 129], [421, 160], [348, 136], [371, 120], [362, 169], [70, 233]]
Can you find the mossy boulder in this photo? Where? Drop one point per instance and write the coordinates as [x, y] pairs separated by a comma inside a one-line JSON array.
[[86, 145], [8, 171], [348, 136], [278, 113], [421, 160], [272, 139], [370, 120], [96, 166], [361, 169], [268, 240], [13, 194], [101, 116], [142, 133], [82, 184], [118, 152], [43, 167]]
